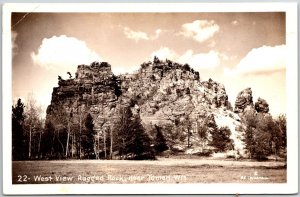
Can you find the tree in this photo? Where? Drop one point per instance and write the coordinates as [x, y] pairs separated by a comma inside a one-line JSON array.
[[250, 121], [258, 134], [221, 139], [160, 143], [47, 139], [88, 141], [270, 138], [70, 75], [60, 120], [17, 131], [131, 140], [141, 143], [122, 133], [280, 122], [33, 124], [69, 125], [202, 131]]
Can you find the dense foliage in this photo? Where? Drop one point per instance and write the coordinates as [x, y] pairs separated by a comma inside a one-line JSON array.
[[221, 139], [264, 135], [131, 140], [160, 142], [71, 134]]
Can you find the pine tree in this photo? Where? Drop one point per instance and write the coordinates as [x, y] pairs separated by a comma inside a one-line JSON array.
[[17, 131], [140, 146], [131, 140], [160, 143], [88, 136], [122, 133], [47, 139], [221, 139]]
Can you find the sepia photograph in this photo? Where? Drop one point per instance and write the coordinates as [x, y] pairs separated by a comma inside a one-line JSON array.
[[158, 95]]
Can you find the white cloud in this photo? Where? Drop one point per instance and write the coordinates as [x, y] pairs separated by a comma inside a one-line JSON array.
[[14, 36], [235, 22], [205, 61], [200, 30], [199, 61], [164, 53], [263, 60], [157, 34], [212, 44], [139, 35], [225, 57], [63, 54]]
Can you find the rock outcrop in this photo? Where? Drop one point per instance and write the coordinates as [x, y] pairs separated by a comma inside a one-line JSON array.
[[163, 93], [261, 106], [244, 101], [94, 90]]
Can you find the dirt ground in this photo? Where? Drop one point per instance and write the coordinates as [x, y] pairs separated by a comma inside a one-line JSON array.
[[163, 170]]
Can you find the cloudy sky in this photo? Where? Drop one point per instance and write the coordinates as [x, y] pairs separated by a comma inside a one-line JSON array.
[[239, 50]]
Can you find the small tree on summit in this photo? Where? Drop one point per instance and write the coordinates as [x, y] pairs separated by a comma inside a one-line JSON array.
[[70, 75]]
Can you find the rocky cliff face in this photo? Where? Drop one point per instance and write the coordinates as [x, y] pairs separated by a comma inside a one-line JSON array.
[[161, 92], [94, 90]]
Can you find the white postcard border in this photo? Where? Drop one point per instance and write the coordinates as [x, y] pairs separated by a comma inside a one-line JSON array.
[[292, 101]]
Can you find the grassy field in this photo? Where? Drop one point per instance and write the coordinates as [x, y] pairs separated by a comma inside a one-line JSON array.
[[163, 170]]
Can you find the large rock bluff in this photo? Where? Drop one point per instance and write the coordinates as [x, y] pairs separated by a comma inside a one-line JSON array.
[[95, 90], [161, 92]]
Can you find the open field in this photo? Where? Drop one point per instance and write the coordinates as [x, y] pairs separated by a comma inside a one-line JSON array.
[[163, 170]]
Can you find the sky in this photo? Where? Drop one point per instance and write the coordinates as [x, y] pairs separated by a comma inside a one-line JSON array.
[[239, 50]]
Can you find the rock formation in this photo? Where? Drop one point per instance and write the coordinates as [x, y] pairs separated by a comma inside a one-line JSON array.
[[244, 101], [163, 93], [94, 90], [261, 106]]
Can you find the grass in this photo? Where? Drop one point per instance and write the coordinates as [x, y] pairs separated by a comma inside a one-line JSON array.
[[163, 170]]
